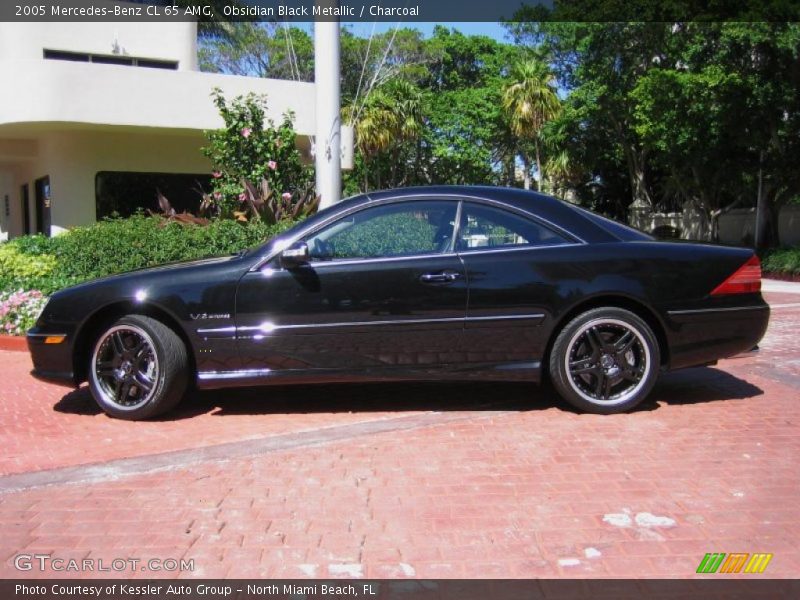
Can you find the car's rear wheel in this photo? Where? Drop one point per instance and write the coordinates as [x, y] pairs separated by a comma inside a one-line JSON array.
[[138, 368], [605, 361]]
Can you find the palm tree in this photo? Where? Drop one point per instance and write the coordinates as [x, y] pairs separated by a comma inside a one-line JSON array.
[[530, 101], [561, 169], [390, 115]]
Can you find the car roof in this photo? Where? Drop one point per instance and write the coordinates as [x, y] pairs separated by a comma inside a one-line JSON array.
[[580, 223]]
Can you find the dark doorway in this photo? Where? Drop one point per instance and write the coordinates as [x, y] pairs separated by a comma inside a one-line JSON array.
[[24, 195], [43, 201]]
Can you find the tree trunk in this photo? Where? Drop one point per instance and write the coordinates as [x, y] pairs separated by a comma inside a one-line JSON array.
[[636, 172], [761, 208], [395, 160], [539, 173], [526, 175]]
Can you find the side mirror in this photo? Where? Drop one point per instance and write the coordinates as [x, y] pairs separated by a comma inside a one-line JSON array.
[[295, 255]]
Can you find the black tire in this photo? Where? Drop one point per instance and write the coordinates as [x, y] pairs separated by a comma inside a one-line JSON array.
[[605, 361], [138, 368]]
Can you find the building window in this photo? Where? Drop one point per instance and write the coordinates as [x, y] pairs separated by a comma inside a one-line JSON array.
[[122, 193], [111, 59]]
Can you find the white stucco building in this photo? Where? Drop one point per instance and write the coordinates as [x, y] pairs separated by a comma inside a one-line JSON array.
[[81, 99]]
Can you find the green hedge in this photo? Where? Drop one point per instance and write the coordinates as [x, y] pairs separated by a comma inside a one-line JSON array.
[[785, 261], [119, 245], [389, 235]]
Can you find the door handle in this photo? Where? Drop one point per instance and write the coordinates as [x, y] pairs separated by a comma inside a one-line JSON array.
[[443, 277]]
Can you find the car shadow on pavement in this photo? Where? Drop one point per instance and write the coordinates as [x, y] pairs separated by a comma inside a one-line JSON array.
[[343, 397], [699, 385], [690, 386]]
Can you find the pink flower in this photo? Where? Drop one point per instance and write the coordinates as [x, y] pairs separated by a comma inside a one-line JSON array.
[[242, 197], [286, 196], [217, 195], [216, 174], [272, 165], [246, 131]]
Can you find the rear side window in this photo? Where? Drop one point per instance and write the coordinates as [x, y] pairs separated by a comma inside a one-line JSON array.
[[485, 227]]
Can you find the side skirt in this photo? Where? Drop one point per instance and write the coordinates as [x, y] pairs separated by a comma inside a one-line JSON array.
[[523, 371]]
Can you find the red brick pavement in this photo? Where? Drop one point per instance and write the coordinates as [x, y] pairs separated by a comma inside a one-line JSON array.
[[534, 491]]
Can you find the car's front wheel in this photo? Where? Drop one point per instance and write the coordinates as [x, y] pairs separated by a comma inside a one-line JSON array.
[[138, 368], [605, 361]]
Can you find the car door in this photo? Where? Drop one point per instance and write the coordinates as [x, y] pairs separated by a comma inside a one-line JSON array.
[[511, 261], [382, 291]]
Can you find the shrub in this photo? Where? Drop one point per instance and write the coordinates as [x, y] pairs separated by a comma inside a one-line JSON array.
[[389, 235], [784, 261], [19, 310], [16, 264], [250, 148], [119, 245]]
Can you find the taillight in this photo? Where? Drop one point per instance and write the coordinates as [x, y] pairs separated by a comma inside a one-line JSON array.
[[745, 280]]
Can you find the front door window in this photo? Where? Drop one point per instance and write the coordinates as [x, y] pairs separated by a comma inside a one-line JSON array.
[[404, 229]]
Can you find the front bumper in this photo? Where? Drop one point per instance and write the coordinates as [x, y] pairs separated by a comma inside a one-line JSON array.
[[52, 362]]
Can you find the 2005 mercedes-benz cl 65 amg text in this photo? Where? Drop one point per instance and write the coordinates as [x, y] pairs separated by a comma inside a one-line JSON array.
[[415, 284]]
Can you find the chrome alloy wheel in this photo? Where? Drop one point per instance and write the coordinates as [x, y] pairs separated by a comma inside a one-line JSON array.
[[607, 361], [125, 367]]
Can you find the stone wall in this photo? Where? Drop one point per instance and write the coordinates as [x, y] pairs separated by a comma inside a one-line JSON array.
[[735, 227]]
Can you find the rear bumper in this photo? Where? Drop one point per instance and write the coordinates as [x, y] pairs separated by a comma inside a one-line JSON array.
[[52, 363], [702, 336]]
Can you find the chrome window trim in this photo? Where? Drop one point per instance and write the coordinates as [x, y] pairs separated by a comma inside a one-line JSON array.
[[406, 198], [378, 259], [491, 250]]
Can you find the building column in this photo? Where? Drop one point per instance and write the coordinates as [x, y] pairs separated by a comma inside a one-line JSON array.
[[328, 108]]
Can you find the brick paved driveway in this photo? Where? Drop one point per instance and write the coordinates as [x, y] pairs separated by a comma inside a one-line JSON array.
[[415, 480]]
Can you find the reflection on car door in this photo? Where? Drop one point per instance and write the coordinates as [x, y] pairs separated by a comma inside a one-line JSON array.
[[509, 296], [384, 291]]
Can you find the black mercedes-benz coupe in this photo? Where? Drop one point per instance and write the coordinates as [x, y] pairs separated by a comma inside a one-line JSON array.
[[415, 284]]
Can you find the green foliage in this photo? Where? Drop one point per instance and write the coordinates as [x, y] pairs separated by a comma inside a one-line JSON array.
[[258, 50], [785, 261], [463, 136], [119, 245], [387, 119], [264, 204], [389, 235], [251, 148], [667, 113], [15, 265]]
